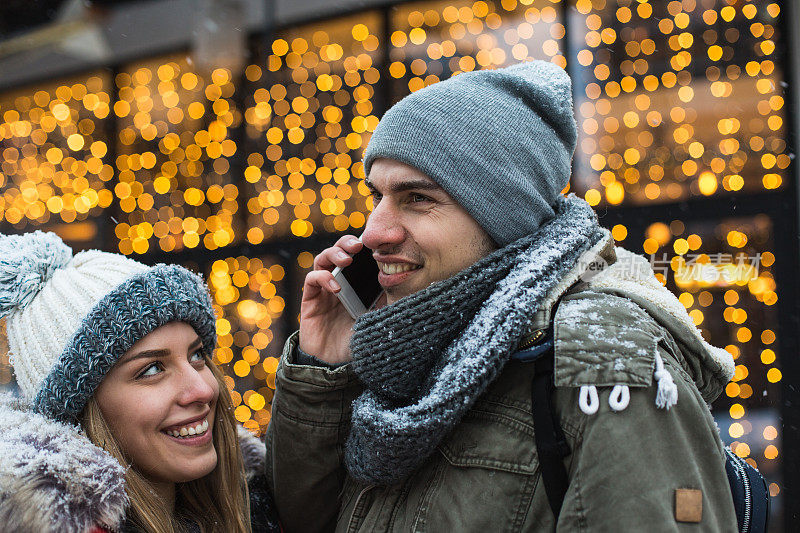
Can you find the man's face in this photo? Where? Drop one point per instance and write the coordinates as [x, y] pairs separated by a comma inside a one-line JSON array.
[[417, 232]]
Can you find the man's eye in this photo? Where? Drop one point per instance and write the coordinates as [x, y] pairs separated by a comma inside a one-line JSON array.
[[196, 356], [151, 370], [417, 198]]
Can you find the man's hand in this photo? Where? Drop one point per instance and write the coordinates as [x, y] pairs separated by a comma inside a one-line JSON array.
[[325, 325]]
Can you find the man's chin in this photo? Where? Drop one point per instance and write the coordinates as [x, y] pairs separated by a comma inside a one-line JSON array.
[[393, 295], [399, 285], [396, 293]]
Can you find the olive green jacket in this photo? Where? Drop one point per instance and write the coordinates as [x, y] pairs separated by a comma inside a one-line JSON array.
[[625, 466]]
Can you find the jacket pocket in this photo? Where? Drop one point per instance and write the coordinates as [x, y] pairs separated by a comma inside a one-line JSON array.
[[486, 476], [489, 437]]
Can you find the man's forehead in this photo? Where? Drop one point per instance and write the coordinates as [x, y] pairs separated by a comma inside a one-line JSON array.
[[391, 174]]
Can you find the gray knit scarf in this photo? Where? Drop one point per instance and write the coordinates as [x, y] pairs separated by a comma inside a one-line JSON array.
[[426, 359]]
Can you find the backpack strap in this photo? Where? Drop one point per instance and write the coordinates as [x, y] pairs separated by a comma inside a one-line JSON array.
[[551, 444]]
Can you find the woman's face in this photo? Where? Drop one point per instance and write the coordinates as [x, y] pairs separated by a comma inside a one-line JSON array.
[[159, 401]]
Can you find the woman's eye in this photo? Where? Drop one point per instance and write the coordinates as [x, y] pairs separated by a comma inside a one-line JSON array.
[[152, 370], [197, 356]]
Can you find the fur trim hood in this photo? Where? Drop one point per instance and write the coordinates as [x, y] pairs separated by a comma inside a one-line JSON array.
[[52, 478]]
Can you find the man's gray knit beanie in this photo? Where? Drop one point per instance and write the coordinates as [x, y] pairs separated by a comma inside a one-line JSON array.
[[500, 142]]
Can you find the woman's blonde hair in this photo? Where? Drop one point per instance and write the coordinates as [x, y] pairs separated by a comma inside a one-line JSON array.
[[218, 502]]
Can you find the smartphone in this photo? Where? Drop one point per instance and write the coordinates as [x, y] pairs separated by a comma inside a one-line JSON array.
[[359, 282]]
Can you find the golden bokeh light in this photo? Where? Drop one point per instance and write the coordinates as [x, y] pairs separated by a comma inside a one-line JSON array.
[[671, 92], [52, 147], [173, 163], [245, 292], [316, 114], [675, 101]]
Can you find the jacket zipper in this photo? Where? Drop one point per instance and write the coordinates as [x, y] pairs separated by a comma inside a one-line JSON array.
[[355, 506], [531, 340], [748, 497]]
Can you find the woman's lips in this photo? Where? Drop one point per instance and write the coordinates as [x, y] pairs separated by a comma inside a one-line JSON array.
[[196, 440], [192, 434]]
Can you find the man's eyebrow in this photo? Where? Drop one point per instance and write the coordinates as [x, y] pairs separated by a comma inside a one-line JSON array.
[[153, 354], [407, 185]]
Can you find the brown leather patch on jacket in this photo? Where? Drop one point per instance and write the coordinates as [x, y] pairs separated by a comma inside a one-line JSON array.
[[688, 505]]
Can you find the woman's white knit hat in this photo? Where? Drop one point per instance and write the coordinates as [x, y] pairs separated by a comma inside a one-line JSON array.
[[69, 318], [47, 292]]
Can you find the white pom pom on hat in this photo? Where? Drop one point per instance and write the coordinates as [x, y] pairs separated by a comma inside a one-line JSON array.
[[26, 263]]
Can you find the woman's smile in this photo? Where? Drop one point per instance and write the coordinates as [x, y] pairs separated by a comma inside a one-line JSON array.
[[194, 433]]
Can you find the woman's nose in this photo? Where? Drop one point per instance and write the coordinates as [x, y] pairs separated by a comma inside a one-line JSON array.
[[197, 386]]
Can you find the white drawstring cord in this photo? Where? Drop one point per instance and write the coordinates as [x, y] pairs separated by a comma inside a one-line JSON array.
[[619, 398], [588, 400], [667, 394]]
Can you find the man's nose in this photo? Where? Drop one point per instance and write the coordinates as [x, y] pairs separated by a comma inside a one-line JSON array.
[[384, 227]]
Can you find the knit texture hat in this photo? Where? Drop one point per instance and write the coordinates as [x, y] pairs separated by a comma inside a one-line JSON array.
[[500, 142], [69, 318]]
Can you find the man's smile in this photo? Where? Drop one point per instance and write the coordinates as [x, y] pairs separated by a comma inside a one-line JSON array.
[[391, 274], [396, 268]]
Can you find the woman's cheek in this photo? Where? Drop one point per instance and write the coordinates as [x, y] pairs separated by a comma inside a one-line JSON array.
[[144, 413]]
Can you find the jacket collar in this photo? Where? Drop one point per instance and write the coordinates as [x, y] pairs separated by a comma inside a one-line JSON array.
[[598, 257], [52, 477]]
